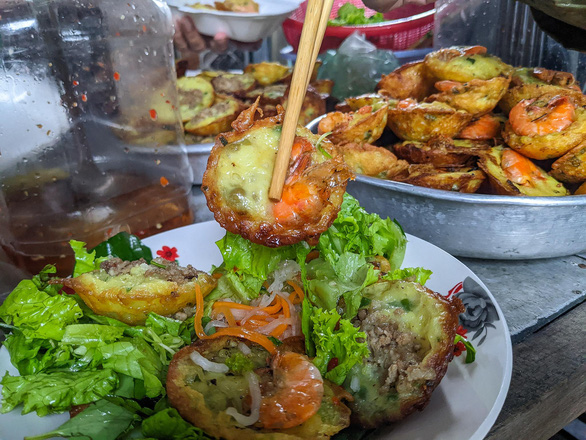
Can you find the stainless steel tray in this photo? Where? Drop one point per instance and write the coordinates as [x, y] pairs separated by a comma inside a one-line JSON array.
[[479, 225]]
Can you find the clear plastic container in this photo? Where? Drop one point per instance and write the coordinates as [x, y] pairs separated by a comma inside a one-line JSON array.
[[91, 140]]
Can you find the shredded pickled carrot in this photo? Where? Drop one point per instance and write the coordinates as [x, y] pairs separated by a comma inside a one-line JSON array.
[[271, 310], [237, 332], [297, 292], [232, 305], [279, 330]]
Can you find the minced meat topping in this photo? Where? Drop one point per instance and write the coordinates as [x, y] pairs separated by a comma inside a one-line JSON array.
[[396, 352], [163, 269]]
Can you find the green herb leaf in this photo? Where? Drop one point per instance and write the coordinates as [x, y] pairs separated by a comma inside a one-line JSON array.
[[137, 359], [169, 425], [84, 261], [101, 421], [470, 350], [125, 246], [238, 363], [362, 233]]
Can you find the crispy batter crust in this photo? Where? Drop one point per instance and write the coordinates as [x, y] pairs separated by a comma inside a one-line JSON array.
[[371, 160], [571, 167], [464, 180], [477, 97], [516, 94], [421, 122], [440, 151], [114, 299], [328, 178], [414, 395], [410, 80], [192, 407], [365, 126]]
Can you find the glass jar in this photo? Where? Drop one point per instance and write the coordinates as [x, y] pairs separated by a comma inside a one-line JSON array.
[[91, 141]]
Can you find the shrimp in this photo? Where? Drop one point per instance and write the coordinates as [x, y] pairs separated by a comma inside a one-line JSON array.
[[449, 86], [333, 120], [299, 390], [460, 51], [519, 169], [484, 128], [298, 195], [531, 117]]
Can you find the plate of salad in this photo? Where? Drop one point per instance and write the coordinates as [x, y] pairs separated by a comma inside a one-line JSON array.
[[60, 354]]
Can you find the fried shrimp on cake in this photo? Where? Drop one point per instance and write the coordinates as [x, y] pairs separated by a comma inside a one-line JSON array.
[[410, 333], [129, 290], [238, 177], [365, 125], [371, 160], [237, 390], [546, 127], [477, 97]]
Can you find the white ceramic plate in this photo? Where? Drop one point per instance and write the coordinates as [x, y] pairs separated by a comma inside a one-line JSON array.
[[245, 27], [463, 407]]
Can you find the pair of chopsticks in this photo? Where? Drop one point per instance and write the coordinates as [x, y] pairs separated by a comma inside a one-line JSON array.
[[312, 34]]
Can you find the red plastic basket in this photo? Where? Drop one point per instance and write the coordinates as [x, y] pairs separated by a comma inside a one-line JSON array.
[[404, 27]]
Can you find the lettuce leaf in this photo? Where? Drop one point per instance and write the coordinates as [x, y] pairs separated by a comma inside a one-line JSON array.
[[416, 274], [247, 266], [36, 313], [250, 258], [325, 284], [135, 358], [338, 344], [362, 233], [48, 393], [84, 261], [91, 335], [165, 335], [32, 356]]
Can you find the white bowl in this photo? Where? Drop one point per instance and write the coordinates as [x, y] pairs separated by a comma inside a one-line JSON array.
[[245, 27]]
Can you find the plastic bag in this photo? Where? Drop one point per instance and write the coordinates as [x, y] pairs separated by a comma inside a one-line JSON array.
[[356, 66]]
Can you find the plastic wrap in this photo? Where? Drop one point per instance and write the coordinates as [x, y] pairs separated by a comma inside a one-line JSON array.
[[356, 66]]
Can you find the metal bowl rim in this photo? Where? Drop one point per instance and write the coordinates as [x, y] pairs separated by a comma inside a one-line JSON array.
[[484, 199]]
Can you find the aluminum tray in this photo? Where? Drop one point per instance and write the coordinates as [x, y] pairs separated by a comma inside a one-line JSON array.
[[479, 225]]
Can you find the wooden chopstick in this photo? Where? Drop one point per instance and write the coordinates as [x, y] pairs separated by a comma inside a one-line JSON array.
[[314, 26]]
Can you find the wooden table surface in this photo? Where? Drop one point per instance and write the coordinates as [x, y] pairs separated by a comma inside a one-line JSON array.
[[543, 303]]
